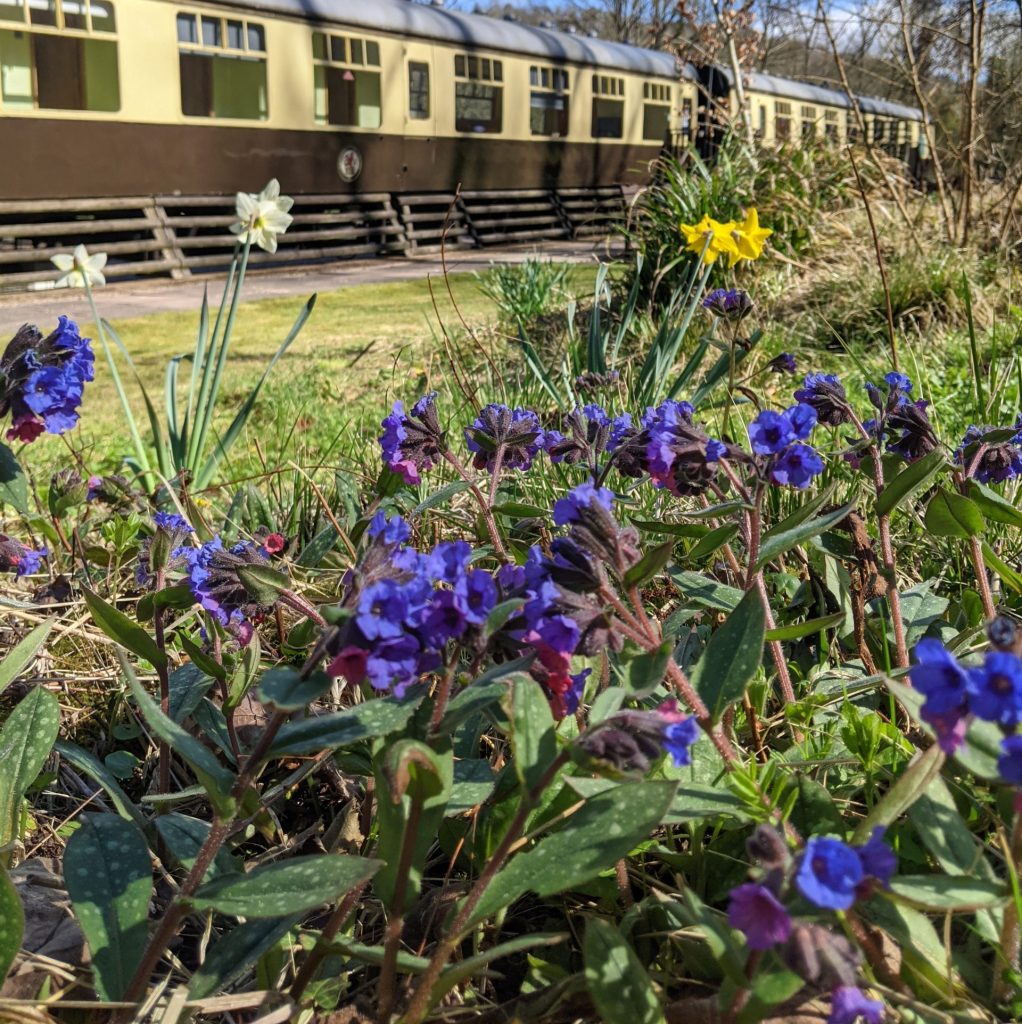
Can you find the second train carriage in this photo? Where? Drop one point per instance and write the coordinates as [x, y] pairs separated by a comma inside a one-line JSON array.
[[134, 97]]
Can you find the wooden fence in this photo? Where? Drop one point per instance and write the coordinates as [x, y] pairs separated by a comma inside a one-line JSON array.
[[177, 236]]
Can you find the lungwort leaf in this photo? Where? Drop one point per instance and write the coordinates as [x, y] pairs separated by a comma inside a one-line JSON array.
[[108, 875], [12, 924], [26, 740], [616, 979], [20, 656], [732, 657], [290, 887]]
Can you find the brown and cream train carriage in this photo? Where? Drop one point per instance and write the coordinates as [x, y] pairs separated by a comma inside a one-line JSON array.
[[134, 97]]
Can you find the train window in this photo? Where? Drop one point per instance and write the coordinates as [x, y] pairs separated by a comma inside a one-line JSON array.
[[548, 101], [851, 127], [808, 123], [686, 119], [222, 64], [656, 110], [346, 83], [478, 104], [782, 120], [12, 10], [878, 130], [418, 91], [830, 125], [58, 62], [608, 109], [761, 130]]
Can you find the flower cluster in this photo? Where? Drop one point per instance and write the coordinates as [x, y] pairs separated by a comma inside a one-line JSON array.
[[405, 607], [737, 240], [504, 438], [830, 875], [991, 455], [731, 304], [223, 583], [42, 380], [901, 423], [591, 432], [954, 693], [776, 438], [630, 742], [18, 558], [679, 454], [413, 443], [163, 549]]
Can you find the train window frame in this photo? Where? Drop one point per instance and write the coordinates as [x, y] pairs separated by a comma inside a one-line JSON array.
[[421, 93], [809, 116], [550, 99], [478, 81], [608, 107], [70, 62], [212, 71], [347, 81], [831, 131], [783, 120], [656, 111]]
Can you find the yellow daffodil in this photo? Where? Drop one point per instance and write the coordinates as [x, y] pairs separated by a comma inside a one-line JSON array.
[[721, 239], [749, 238]]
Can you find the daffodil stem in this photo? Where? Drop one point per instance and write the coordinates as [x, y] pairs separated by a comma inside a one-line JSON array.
[[136, 438]]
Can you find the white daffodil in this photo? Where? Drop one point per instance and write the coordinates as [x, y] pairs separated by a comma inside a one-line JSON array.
[[261, 218], [79, 269]]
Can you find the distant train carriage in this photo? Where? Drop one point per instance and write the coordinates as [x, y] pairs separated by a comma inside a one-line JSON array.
[[131, 97]]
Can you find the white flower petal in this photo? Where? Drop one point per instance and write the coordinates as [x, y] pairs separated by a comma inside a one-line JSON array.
[[63, 261]]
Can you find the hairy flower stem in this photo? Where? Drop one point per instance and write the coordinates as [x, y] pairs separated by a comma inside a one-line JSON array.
[[442, 695], [421, 996], [300, 605], [976, 545], [886, 548], [387, 983], [484, 506], [218, 834], [163, 783], [327, 933]]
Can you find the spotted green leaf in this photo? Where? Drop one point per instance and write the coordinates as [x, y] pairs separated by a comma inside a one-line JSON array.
[[108, 875], [12, 924], [19, 657], [616, 979], [26, 740], [291, 887]]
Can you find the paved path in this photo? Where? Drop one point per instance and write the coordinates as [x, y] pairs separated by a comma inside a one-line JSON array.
[[137, 298]]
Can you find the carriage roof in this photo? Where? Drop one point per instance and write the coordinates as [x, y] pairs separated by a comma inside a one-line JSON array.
[[405, 17]]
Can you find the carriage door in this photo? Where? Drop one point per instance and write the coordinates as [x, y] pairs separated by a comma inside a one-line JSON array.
[[419, 100]]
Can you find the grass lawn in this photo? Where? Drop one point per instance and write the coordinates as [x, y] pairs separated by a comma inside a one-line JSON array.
[[362, 347]]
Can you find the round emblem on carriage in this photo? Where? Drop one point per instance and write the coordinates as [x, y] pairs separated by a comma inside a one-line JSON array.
[[349, 163]]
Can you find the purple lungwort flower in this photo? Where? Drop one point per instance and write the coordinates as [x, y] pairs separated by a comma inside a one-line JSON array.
[[995, 689], [909, 431], [771, 432], [392, 531], [796, 466], [413, 443], [783, 363], [850, 1004], [756, 911], [18, 558], [215, 579], [991, 455], [42, 379], [824, 392], [731, 304], [877, 858], [678, 739], [567, 509], [590, 432], [829, 873], [940, 679], [680, 455], [515, 433]]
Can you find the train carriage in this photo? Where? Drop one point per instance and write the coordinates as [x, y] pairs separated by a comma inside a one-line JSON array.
[[134, 97], [122, 97]]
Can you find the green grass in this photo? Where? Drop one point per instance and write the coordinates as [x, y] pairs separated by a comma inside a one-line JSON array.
[[362, 347]]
